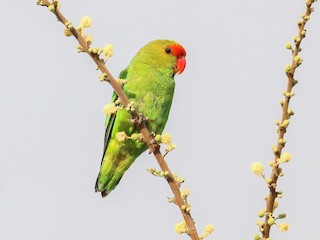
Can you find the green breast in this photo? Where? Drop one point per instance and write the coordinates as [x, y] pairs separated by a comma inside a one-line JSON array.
[[152, 91]]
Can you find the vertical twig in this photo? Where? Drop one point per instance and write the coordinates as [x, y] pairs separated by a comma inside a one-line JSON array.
[[282, 127]]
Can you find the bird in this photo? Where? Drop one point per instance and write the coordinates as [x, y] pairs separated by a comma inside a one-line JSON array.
[[150, 84]]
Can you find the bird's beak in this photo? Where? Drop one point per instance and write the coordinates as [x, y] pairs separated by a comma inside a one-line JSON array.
[[180, 65]]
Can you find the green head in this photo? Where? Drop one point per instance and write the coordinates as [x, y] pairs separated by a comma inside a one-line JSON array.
[[163, 55]]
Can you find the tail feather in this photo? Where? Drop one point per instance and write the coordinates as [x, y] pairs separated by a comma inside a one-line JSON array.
[[110, 175], [116, 161], [105, 193], [105, 188]]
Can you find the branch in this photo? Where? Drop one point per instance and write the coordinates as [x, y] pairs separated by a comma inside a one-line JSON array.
[[286, 114], [154, 148]]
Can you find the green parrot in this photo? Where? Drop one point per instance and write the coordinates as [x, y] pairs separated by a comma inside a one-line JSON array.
[[150, 84]]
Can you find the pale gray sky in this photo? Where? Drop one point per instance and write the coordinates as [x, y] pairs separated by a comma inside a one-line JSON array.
[[52, 124]]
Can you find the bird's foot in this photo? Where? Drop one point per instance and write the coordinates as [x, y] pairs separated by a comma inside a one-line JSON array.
[[139, 119]]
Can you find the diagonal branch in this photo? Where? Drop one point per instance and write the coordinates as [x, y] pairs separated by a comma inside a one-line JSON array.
[[154, 148]]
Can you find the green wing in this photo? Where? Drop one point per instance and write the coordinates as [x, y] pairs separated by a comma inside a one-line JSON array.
[[110, 119], [109, 123]]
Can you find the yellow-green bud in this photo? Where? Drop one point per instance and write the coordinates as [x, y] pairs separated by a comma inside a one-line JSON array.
[[259, 223], [282, 141], [298, 60], [185, 192], [290, 112], [306, 18], [284, 158], [256, 237], [274, 149], [287, 68], [67, 32], [166, 138], [121, 136], [261, 213], [297, 39], [283, 227], [286, 123], [51, 7], [107, 51], [181, 227], [257, 168], [271, 221], [85, 22], [135, 136], [282, 215], [170, 200], [209, 229], [170, 146], [288, 45], [157, 138]]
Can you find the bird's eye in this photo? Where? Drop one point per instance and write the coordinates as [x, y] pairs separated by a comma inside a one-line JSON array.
[[168, 50]]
